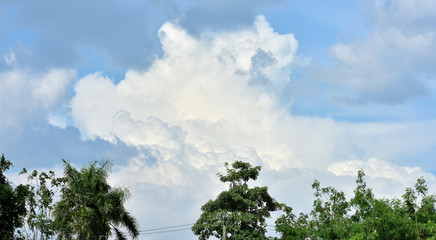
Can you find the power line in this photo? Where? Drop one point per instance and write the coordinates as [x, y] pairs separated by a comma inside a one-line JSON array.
[[166, 231], [169, 229], [175, 226]]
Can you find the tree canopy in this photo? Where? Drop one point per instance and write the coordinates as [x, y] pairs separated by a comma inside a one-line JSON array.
[[241, 210], [364, 216], [89, 207], [12, 203]]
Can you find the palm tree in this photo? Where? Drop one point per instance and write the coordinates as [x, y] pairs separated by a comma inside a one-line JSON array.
[[89, 207]]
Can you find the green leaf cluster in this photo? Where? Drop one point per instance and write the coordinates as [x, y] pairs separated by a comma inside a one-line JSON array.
[[12, 204], [363, 216], [88, 208], [241, 209], [42, 187]]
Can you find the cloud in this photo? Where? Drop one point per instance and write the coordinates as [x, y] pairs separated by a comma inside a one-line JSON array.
[[387, 66], [387, 179], [199, 83], [214, 98], [211, 97], [405, 14], [29, 102], [71, 33], [9, 58], [104, 34], [201, 101], [26, 94], [375, 168], [202, 93], [223, 15]]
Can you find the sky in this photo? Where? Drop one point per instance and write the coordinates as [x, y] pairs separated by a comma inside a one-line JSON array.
[[169, 90]]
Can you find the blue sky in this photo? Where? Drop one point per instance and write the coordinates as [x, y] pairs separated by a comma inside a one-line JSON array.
[[170, 90]]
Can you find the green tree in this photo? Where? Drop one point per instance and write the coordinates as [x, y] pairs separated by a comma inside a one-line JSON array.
[[89, 207], [241, 209], [378, 218], [42, 188], [12, 204], [364, 216], [292, 227], [422, 213], [329, 214]]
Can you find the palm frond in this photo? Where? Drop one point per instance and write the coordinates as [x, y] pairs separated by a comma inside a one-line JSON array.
[[119, 235], [130, 223]]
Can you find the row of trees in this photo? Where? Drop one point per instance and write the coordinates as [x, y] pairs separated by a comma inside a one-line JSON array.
[[88, 207], [240, 212]]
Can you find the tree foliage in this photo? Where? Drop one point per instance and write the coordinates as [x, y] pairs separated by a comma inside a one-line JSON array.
[[12, 203], [89, 207], [243, 210], [42, 187], [363, 216]]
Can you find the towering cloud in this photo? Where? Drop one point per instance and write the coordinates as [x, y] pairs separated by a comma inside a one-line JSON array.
[[214, 98], [200, 90]]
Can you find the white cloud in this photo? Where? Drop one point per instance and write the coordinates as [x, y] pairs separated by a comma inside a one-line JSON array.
[[151, 131], [199, 85], [200, 94], [23, 93], [406, 14], [388, 180], [50, 88], [387, 66], [376, 168], [57, 120], [212, 99], [9, 58]]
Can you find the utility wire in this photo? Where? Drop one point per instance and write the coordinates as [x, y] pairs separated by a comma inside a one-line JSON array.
[[170, 229], [161, 228], [166, 231]]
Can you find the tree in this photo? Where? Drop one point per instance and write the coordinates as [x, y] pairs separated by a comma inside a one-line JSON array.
[[42, 188], [292, 228], [370, 218], [12, 203], [329, 216], [241, 210], [89, 207]]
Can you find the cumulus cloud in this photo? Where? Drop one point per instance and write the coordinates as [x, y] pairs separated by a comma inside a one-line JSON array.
[[213, 98], [211, 93], [201, 85], [200, 100]]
